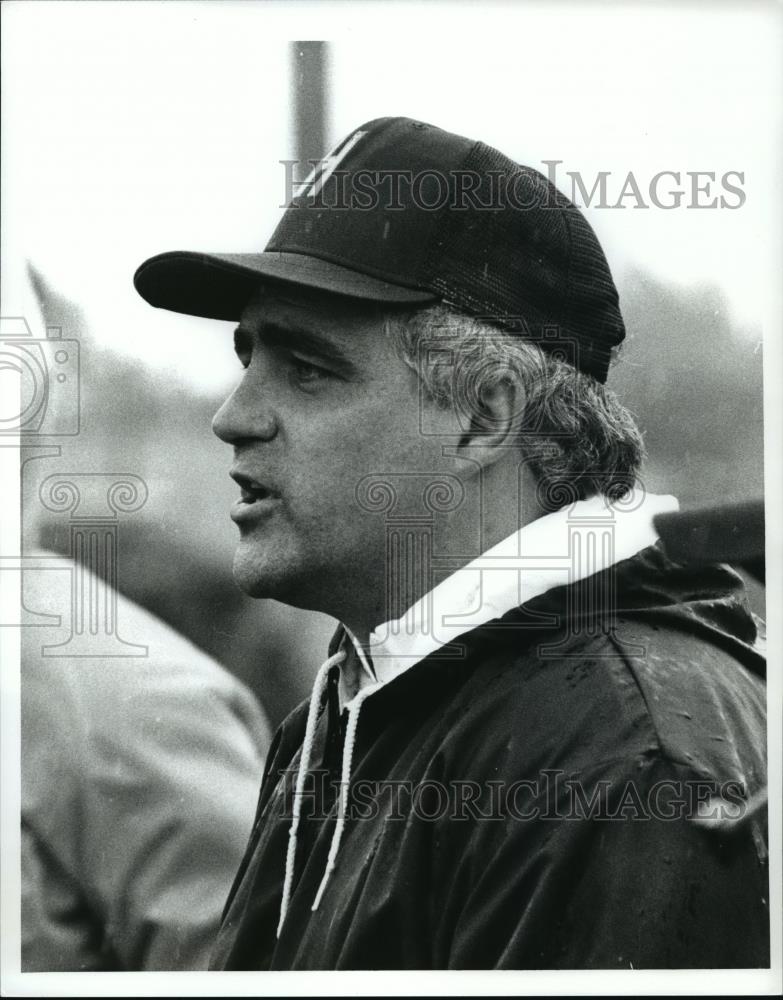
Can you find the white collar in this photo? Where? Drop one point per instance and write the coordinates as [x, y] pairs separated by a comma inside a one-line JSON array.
[[561, 548]]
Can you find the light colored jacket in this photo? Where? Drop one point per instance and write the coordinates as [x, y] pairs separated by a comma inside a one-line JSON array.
[[139, 781]]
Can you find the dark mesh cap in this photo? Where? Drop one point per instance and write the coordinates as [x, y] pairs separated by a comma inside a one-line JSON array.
[[404, 213]]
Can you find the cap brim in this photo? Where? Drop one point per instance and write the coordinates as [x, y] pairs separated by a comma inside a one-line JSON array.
[[218, 286]]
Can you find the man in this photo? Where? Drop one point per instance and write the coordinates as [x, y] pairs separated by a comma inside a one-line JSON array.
[[138, 785], [526, 710]]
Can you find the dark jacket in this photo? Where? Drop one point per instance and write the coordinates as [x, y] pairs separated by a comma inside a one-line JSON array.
[[531, 800]]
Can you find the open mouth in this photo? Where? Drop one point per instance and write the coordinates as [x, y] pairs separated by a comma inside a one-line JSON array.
[[256, 502], [251, 491], [251, 495]]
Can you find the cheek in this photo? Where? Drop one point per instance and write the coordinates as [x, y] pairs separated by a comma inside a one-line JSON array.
[[331, 453]]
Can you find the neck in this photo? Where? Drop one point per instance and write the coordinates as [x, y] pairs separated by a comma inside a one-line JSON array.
[[455, 539]]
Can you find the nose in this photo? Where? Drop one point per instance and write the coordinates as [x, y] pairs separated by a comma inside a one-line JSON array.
[[244, 416]]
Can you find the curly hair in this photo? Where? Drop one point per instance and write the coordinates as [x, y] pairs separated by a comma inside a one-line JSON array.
[[574, 434]]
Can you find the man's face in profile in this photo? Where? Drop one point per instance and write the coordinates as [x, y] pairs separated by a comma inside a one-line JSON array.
[[324, 400]]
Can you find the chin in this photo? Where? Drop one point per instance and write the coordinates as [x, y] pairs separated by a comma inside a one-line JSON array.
[[252, 587], [263, 577], [253, 579]]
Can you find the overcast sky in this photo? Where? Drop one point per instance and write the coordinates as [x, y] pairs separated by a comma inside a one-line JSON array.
[[129, 129]]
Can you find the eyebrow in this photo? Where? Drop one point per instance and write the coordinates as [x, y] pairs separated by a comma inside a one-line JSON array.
[[276, 334]]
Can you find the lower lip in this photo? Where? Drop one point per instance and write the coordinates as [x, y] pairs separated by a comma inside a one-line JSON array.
[[244, 511]]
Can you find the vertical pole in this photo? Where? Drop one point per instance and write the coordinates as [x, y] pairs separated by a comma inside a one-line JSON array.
[[309, 101]]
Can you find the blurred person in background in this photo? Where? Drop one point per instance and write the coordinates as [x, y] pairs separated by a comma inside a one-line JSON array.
[[139, 776], [423, 389]]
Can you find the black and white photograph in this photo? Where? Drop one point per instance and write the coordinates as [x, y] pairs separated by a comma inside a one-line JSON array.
[[391, 530]]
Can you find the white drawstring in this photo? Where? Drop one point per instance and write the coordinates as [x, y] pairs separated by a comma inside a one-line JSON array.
[[350, 738], [368, 669], [304, 765]]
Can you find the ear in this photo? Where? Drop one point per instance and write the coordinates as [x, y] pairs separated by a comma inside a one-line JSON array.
[[493, 420]]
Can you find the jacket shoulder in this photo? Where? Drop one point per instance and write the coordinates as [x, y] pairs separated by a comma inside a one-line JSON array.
[[642, 690]]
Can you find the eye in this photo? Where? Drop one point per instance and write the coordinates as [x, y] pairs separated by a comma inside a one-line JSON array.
[[243, 347], [306, 371]]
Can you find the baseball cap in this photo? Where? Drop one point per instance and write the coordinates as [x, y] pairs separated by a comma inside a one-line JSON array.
[[404, 213]]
